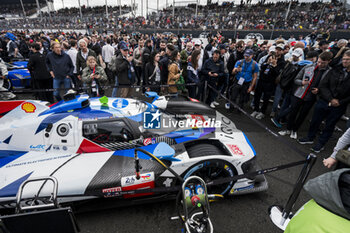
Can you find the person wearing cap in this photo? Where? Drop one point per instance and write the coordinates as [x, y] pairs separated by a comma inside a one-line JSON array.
[[204, 54], [306, 90], [334, 92], [125, 70], [287, 85], [12, 49], [246, 71]]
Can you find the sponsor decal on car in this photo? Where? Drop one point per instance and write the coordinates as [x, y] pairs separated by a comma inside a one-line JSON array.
[[28, 107], [233, 190], [112, 192], [149, 141], [235, 149], [37, 147], [146, 181], [131, 180], [120, 103]]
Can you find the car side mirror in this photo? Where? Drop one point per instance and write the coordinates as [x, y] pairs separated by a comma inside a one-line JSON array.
[[164, 151]]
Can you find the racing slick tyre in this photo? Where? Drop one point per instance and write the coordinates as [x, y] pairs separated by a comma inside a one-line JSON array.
[[203, 149], [213, 169]]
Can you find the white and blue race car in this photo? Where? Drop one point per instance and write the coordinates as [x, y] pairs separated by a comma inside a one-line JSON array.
[[88, 145]]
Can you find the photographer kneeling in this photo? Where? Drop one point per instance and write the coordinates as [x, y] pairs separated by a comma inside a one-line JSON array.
[[94, 77]]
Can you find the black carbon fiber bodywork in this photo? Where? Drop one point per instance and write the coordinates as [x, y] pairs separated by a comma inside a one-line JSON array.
[[115, 168]]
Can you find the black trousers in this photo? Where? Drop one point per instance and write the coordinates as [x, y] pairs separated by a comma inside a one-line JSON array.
[[266, 89], [139, 74], [299, 111], [43, 84], [331, 114], [241, 92], [212, 94]]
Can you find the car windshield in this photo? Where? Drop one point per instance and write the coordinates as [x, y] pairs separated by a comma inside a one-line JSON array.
[[107, 131]]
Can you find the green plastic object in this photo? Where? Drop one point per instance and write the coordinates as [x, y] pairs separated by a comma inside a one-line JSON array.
[[104, 101]]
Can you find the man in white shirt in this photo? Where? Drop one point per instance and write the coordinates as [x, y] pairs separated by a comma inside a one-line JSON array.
[[107, 51], [107, 54], [72, 53]]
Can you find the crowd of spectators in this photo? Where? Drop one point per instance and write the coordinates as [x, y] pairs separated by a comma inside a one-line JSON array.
[[301, 77], [15, 9], [227, 15]]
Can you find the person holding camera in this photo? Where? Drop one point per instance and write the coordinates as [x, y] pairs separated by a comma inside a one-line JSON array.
[[94, 77]]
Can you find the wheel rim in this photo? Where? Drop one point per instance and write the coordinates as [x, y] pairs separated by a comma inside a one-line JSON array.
[[213, 170], [7, 84]]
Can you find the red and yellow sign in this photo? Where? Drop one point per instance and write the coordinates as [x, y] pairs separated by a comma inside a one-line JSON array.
[[28, 107]]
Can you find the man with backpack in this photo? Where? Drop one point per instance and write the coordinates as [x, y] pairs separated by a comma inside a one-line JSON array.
[[246, 71]]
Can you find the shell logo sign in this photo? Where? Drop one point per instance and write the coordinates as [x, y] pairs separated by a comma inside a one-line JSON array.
[[28, 107]]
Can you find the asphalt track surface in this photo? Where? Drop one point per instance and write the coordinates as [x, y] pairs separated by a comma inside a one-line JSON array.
[[243, 214]]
